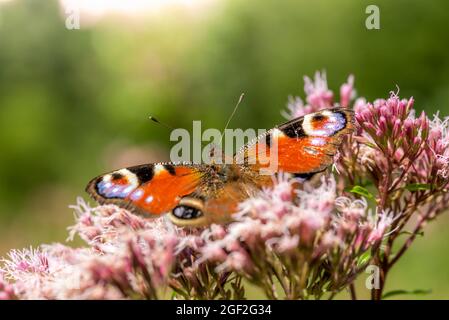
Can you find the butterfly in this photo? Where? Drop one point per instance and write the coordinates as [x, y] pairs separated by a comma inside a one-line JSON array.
[[200, 194]]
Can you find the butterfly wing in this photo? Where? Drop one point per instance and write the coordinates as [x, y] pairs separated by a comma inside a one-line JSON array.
[[204, 207], [195, 195], [303, 145], [149, 190], [191, 194]]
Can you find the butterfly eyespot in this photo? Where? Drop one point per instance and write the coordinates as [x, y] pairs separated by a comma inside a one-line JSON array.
[[189, 212], [185, 212]]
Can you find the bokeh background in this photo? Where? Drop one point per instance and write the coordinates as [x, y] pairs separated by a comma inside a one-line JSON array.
[[75, 103]]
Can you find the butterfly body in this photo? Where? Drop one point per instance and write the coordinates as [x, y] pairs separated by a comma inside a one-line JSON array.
[[200, 194]]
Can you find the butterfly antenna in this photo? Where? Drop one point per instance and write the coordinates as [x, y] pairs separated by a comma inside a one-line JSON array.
[[232, 115], [167, 126], [160, 123]]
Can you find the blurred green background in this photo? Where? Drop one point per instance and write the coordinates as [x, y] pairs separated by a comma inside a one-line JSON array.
[[75, 103]]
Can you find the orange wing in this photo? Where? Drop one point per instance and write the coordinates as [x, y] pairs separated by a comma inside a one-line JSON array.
[[303, 145], [150, 190]]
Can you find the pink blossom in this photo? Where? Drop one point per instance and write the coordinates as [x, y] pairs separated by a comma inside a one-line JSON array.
[[318, 94], [347, 92], [287, 243], [237, 260], [296, 108], [6, 290], [25, 261], [380, 226]]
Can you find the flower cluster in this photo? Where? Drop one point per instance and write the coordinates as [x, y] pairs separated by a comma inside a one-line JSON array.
[[308, 240], [318, 96], [295, 240], [397, 161], [126, 257]]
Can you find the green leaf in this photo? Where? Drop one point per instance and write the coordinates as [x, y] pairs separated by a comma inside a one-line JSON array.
[[364, 258], [362, 191], [418, 186], [399, 292]]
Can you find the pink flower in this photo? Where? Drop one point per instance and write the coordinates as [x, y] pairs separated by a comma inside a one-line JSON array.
[[391, 125], [214, 252], [6, 290], [380, 226], [24, 261], [347, 92], [438, 146], [331, 240], [353, 210], [287, 244], [318, 94], [237, 260]]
